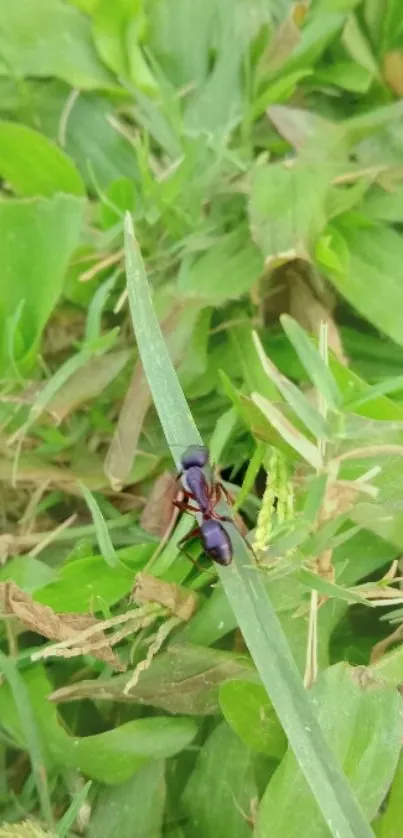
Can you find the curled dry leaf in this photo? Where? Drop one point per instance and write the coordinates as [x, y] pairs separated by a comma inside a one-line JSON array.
[[43, 620], [179, 601], [158, 511]]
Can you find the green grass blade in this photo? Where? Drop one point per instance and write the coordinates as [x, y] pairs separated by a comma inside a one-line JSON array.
[[310, 358], [244, 586], [69, 817], [289, 432], [22, 702], [101, 529]]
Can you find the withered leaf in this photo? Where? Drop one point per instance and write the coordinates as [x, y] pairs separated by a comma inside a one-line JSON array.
[[158, 511], [180, 601], [41, 619], [184, 679]]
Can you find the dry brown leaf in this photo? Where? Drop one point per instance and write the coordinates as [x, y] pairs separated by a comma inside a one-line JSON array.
[[157, 513], [311, 312], [393, 71], [179, 601], [41, 619]]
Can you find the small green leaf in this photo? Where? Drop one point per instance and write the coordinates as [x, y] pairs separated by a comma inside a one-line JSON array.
[[314, 364], [249, 712], [33, 165], [226, 271], [86, 585]]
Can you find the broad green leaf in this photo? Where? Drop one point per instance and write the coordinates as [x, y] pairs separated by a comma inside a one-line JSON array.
[[33, 165], [310, 358], [246, 592], [89, 135], [372, 279], [110, 757], [37, 239], [133, 809], [361, 719], [225, 272], [385, 206], [250, 714], [86, 585], [223, 774], [50, 38], [286, 208]]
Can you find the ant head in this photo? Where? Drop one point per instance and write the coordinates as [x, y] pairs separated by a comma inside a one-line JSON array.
[[195, 455]]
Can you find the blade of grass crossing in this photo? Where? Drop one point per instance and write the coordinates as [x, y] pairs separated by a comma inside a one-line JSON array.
[[105, 543], [171, 405], [30, 731], [244, 586], [70, 816]]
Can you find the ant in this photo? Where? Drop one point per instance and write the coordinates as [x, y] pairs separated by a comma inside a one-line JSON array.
[[215, 539]]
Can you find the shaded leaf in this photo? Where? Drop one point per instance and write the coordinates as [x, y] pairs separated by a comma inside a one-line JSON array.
[[87, 382], [220, 794], [133, 809]]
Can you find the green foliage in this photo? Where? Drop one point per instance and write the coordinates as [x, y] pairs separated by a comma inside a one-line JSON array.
[[258, 150]]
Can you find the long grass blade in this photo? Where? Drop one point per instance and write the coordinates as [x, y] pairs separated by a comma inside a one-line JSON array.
[[30, 731], [244, 586]]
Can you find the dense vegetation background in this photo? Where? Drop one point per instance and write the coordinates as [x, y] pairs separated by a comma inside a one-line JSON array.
[[258, 147]]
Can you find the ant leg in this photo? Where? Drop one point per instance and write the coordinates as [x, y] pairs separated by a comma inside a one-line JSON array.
[[184, 506], [195, 533], [196, 564]]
